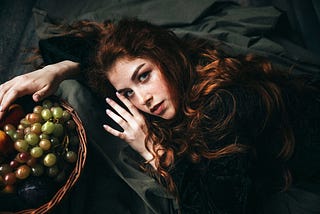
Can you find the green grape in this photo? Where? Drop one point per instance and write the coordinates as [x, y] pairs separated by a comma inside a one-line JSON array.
[[57, 112], [47, 104], [71, 156], [49, 160], [46, 114], [71, 125], [54, 141], [44, 136], [21, 145], [32, 138], [11, 132], [61, 177], [48, 127], [74, 140], [18, 135], [66, 115], [36, 152], [37, 170], [55, 104], [53, 171], [58, 130], [25, 122]]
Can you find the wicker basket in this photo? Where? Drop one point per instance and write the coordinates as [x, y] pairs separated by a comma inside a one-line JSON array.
[[75, 173]]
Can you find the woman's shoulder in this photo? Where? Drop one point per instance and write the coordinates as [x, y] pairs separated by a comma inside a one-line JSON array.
[[66, 47], [237, 100]]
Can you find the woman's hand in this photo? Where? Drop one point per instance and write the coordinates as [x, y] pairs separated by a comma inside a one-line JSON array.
[[133, 125], [39, 83]]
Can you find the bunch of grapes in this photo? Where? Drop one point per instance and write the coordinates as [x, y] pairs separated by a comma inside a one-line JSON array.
[[45, 144]]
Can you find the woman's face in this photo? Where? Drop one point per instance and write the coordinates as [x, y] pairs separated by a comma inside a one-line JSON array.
[[141, 81]]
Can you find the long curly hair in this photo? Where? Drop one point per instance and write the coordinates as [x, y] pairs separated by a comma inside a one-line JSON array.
[[195, 72]]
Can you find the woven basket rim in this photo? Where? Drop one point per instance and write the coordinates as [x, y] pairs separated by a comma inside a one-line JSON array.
[[75, 173]]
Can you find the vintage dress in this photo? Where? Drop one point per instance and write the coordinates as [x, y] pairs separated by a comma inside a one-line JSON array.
[[239, 183]]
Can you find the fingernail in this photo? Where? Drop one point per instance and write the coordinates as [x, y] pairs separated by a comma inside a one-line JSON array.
[[36, 97], [107, 99]]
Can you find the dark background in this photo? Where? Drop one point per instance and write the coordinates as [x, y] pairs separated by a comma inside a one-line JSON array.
[[18, 37]]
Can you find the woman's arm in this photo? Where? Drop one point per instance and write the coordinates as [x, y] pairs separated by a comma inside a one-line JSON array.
[[64, 56], [39, 83]]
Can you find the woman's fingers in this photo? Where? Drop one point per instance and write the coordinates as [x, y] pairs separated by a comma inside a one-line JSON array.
[[4, 93], [3, 90], [9, 98], [116, 118], [9, 92], [121, 122], [127, 103], [121, 111], [133, 116], [42, 93], [114, 132], [16, 90]]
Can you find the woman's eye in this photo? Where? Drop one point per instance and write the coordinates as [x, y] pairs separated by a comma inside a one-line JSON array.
[[144, 76], [128, 93]]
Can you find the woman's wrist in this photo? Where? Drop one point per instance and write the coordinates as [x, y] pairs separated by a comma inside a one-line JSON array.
[[64, 70], [149, 158]]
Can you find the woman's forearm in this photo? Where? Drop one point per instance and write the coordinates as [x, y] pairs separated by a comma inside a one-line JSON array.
[[64, 70], [39, 83]]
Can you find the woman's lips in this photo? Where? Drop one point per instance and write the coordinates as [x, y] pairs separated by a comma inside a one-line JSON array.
[[158, 109]]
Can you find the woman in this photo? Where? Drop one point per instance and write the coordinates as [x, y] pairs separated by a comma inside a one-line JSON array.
[[222, 134]]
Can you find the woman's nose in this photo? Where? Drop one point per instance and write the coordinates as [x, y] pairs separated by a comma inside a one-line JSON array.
[[145, 98]]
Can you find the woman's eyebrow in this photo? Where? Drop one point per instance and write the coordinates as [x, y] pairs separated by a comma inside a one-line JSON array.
[[136, 71], [134, 75]]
